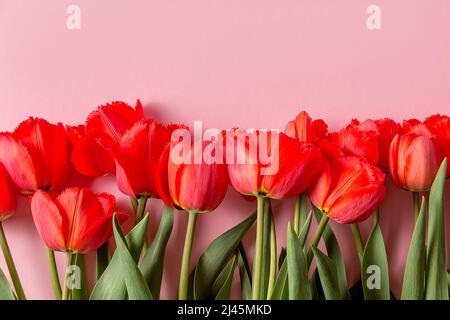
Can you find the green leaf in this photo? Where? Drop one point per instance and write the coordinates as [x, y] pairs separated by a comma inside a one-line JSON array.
[[137, 288], [223, 283], [299, 285], [281, 257], [334, 253], [244, 273], [111, 285], [328, 277], [216, 255], [436, 275], [374, 267], [153, 262], [281, 288], [6, 292], [414, 277]]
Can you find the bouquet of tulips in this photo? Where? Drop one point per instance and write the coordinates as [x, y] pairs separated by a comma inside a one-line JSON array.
[[338, 176]]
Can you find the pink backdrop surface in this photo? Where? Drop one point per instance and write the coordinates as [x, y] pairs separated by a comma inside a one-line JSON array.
[[251, 63]]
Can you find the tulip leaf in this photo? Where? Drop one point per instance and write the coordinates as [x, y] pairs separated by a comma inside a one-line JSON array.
[[281, 288], [111, 285], [244, 273], [328, 277], [135, 283], [216, 255], [298, 284], [334, 253], [436, 274], [374, 267], [414, 277], [223, 283], [153, 262], [281, 257], [6, 292]]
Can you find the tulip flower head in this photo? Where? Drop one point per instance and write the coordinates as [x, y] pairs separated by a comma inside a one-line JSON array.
[[76, 221], [414, 160], [8, 196], [298, 164], [36, 155], [385, 130], [305, 129], [138, 156], [187, 185], [354, 141], [350, 190], [95, 143]]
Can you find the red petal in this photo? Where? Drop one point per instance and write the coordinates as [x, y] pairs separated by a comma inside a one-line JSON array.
[[18, 163], [48, 220], [114, 119], [162, 178], [200, 187], [138, 156], [8, 195], [81, 209], [357, 205], [48, 147], [91, 158], [299, 166]]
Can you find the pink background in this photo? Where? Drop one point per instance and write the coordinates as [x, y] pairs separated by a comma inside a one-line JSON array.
[[229, 63]]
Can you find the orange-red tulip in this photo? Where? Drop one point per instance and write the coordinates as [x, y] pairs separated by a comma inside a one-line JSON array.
[[414, 160], [36, 155], [138, 156], [190, 186], [94, 143], [353, 141], [305, 129], [8, 195], [350, 190], [77, 220], [385, 130], [295, 164]]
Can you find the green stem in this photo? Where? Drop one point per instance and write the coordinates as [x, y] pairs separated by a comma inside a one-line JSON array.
[[102, 259], [316, 238], [187, 250], [56, 285], [273, 260], [11, 266], [416, 204], [359, 244], [376, 217], [71, 261], [140, 212], [256, 287]]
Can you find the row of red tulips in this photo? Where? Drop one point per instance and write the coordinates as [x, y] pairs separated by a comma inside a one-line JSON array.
[[341, 173]]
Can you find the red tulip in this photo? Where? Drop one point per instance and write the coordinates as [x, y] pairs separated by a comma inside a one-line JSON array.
[[94, 144], [8, 196], [305, 129], [76, 221], [191, 186], [350, 190], [441, 125], [353, 141], [414, 160], [298, 164], [138, 156], [385, 130], [36, 155]]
